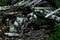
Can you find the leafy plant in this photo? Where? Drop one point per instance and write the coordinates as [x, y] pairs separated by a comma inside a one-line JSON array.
[[56, 34]]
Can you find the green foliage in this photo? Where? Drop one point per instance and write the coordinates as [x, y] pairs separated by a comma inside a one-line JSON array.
[[56, 34], [4, 2], [57, 3]]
